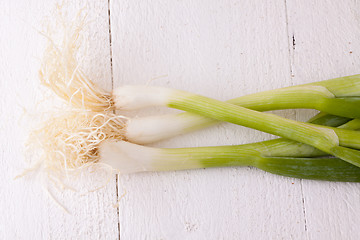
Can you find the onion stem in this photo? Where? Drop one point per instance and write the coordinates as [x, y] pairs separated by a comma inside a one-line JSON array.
[[325, 139], [335, 96], [131, 158], [278, 156]]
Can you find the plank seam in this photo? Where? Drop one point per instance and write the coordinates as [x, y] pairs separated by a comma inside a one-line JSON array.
[[112, 87], [111, 51], [288, 40], [304, 209], [291, 46]]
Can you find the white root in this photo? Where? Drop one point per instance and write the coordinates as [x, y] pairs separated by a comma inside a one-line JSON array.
[[70, 142], [61, 69]]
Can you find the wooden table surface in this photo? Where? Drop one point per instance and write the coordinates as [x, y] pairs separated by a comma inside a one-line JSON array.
[[222, 49]]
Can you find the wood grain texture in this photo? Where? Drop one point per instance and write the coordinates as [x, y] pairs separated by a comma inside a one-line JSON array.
[[27, 212], [324, 37], [221, 49]]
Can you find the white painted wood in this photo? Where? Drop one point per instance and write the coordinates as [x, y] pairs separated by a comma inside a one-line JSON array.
[[326, 36], [27, 212], [221, 49]]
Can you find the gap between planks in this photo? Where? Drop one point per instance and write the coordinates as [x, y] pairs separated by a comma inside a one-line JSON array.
[[112, 88], [291, 46]]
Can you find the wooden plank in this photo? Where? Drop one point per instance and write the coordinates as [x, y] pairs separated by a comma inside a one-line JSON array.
[[324, 37], [27, 212], [221, 49]]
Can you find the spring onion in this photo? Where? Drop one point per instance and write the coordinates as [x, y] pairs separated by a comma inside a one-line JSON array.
[[130, 158], [82, 93], [323, 138], [79, 139], [83, 138], [162, 127], [61, 72]]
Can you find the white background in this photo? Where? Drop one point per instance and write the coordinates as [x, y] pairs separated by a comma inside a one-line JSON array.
[[222, 49]]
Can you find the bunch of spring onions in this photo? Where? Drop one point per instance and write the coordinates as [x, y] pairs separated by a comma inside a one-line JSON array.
[[324, 148]]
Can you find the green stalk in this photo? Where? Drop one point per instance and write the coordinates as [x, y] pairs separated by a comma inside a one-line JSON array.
[[330, 120], [328, 169], [311, 97], [354, 124], [338, 96], [324, 139], [279, 156], [130, 158], [282, 147]]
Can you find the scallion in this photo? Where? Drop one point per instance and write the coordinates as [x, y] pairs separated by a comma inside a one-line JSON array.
[[323, 138], [131, 158]]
